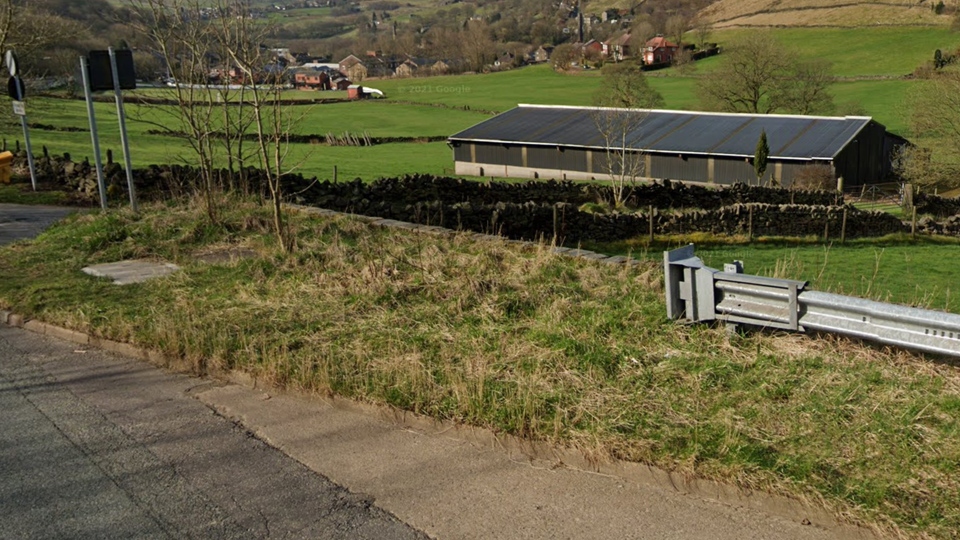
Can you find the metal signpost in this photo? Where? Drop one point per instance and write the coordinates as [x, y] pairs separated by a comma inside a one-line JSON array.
[[18, 92], [125, 143], [93, 132], [112, 70]]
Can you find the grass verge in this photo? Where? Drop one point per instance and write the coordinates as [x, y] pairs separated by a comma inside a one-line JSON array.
[[518, 340], [22, 193]]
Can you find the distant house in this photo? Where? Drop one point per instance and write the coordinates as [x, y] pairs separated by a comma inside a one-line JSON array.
[[659, 51], [311, 80], [542, 54], [408, 68], [378, 66], [412, 67], [618, 47], [592, 49], [284, 55], [353, 68], [505, 61]]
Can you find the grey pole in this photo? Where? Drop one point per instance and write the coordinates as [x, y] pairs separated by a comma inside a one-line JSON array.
[[26, 139], [123, 130], [93, 133]]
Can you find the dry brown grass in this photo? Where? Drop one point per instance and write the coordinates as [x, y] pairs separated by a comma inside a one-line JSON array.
[[820, 13]]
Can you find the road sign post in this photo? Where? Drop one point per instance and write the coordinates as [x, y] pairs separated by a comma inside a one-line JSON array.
[[93, 132], [18, 92], [125, 143]]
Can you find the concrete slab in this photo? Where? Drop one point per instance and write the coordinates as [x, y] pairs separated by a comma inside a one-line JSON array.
[[135, 271], [453, 484]]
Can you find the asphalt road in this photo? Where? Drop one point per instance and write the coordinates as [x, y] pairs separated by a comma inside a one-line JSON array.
[[96, 446], [18, 222]]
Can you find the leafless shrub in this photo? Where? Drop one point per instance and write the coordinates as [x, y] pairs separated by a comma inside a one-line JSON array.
[[814, 177]]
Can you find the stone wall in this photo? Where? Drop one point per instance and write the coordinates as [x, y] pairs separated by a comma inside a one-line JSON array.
[[420, 188], [532, 210], [936, 206], [474, 209]]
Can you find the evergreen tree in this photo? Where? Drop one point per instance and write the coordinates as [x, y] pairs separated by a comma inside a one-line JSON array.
[[761, 155]]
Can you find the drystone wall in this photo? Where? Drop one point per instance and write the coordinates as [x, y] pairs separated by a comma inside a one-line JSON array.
[[532, 210], [933, 205], [420, 188]]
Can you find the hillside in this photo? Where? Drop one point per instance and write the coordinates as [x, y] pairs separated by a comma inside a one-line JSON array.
[[823, 13]]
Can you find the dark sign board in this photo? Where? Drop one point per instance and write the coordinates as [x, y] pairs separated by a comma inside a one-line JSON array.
[[101, 75], [16, 89]]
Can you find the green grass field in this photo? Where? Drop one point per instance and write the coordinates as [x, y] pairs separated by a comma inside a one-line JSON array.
[[434, 106], [863, 52], [409, 111]]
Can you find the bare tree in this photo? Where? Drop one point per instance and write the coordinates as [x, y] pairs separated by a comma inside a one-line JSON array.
[[31, 30], [203, 39], [936, 113], [240, 39], [476, 45], [186, 42], [677, 25], [622, 105], [915, 165], [563, 57], [701, 32], [805, 89], [624, 86], [758, 75]]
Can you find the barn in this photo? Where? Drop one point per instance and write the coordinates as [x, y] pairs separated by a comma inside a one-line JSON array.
[[583, 143]]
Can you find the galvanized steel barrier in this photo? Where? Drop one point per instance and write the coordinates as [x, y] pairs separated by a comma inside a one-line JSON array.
[[697, 293]]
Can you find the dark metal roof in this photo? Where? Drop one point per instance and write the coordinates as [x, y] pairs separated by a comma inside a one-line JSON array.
[[677, 132]]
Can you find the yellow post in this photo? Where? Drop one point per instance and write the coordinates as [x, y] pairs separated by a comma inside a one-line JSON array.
[[6, 167]]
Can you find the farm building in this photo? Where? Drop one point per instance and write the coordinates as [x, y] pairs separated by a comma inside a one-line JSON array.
[[537, 141]]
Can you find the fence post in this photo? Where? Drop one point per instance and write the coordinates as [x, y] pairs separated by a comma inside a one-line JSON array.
[[913, 224], [908, 191], [750, 224], [650, 219], [554, 223], [334, 174], [843, 227], [826, 227]]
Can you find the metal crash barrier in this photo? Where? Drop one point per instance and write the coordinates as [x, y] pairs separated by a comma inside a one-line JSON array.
[[697, 293]]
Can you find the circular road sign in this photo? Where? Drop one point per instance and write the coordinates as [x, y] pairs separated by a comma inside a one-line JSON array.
[[11, 60]]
